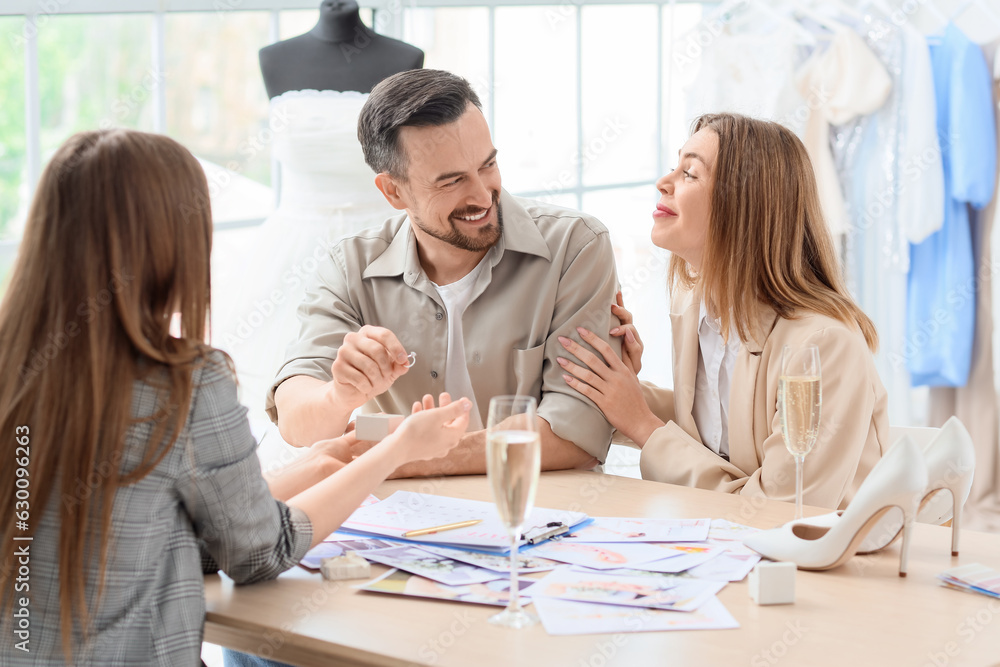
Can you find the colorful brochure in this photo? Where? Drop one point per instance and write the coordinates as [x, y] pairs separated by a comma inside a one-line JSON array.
[[723, 530], [974, 577], [565, 617], [611, 529], [337, 544], [433, 566], [403, 583], [600, 556], [527, 563], [406, 511], [653, 592], [681, 557]]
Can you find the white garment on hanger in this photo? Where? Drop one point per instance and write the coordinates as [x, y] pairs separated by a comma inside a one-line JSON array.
[[749, 72], [844, 81], [921, 194]]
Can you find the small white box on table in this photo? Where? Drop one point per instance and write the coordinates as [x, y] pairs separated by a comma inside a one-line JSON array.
[[772, 583], [377, 426]]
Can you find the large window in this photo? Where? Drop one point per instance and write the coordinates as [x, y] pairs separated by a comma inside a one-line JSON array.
[[13, 136], [581, 98], [217, 107], [88, 83]]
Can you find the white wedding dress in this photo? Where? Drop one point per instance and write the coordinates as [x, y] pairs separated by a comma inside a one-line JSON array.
[[327, 192]]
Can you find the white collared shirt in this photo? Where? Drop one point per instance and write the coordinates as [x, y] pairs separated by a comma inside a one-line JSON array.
[[457, 382], [716, 360]]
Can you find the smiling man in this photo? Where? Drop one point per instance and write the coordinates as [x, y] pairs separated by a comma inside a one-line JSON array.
[[479, 284]]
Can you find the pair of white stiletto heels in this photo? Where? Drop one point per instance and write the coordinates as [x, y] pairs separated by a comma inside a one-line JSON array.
[[898, 489]]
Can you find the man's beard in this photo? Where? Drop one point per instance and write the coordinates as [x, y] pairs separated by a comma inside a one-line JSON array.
[[484, 238]]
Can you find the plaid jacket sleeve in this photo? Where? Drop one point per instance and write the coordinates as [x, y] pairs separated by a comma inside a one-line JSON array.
[[241, 528]]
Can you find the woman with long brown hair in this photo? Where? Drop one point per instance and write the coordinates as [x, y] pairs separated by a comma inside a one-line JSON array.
[[130, 463], [753, 269]]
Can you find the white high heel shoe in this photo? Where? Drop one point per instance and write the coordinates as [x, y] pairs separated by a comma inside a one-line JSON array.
[[897, 480], [950, 457]]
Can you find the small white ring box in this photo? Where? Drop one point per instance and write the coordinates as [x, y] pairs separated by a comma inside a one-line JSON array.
[[772, 583], [375, 427], [348, 566]]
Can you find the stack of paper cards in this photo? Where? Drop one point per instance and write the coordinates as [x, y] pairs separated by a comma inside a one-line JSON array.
[[974, 578], [566, 617], [652, 592], [600, 556], [527, 563], [609, 529], [733, 564], [405, 511], [605, 575], [723, 530], [337, 544], [493, 592], [433, 566]]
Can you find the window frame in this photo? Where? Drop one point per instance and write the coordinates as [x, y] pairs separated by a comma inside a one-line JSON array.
[[35, 13]]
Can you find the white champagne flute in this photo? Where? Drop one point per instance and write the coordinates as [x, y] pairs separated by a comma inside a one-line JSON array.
[[513, 461], [800, 397]]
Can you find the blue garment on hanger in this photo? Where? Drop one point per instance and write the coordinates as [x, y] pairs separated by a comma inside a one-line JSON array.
[[941, 299]]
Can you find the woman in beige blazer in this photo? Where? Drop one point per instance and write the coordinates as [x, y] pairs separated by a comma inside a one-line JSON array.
[[741, 217]]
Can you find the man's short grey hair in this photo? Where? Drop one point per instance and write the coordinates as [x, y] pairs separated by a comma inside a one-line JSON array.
[[416, 98]]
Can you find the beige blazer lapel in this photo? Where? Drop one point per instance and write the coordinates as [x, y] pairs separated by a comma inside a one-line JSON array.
[[744, 413], [684, 329], [742, 448]]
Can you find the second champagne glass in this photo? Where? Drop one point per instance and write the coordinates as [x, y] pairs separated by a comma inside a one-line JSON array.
[[799, 402], [513, 461]]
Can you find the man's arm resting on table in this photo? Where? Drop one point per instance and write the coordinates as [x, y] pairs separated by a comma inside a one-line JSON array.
[[469, 457], [308, 411]]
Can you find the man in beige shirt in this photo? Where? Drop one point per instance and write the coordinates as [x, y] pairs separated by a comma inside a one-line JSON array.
[[479, 284]]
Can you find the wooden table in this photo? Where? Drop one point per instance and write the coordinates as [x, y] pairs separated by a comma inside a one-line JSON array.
[[862, 613]]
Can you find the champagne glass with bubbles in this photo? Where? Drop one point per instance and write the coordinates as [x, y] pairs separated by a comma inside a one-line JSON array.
[[513, 461], [799, 401]]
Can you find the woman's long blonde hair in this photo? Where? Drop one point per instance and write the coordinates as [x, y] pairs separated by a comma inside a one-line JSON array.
[[117, 241], [767, 241]]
